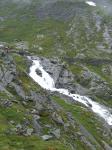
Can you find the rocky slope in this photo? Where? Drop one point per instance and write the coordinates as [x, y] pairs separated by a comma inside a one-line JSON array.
[[73, 42]]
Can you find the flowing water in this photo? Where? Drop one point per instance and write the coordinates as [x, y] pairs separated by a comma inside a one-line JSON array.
[[47, 82]]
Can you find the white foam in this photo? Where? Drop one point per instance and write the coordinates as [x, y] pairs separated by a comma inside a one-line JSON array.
[[47, 82], [91, 3]]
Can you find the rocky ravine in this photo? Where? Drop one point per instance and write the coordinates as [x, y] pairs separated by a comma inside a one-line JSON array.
[[46, 81], [43, 106], [73, 41]]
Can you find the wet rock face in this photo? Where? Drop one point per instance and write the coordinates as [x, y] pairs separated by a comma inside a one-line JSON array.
[[61, 76], [52, 67], [39, 72], [89, 83]]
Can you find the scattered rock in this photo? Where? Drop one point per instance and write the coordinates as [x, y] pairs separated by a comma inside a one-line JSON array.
[[46, 137], [12, 122], [57, 118], [37, 117], [7, 103], [106, 146], [29, 132], [22, 45], [19, 126], [19, 90], [36, 125], [48, 126], [56, 133]]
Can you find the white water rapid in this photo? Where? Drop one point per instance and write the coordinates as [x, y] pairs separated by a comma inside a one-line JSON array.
[[47, 82]]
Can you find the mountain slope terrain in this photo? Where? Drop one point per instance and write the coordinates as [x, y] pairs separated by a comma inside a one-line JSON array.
[[73, 42]]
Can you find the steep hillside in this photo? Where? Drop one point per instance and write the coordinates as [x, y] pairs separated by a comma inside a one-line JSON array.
[[73, 42]]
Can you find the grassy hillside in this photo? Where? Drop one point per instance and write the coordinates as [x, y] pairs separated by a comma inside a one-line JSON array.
[[80, 37]]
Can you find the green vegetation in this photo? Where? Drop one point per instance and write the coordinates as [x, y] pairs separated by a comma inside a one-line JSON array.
[[85, 117], [29, 143], [78, 43]]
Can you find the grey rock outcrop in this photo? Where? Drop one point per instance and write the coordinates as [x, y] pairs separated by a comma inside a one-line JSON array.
[[56, 133], [7, 71]]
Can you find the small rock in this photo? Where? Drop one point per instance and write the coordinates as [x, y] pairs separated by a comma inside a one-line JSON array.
[[19, 126], [29, 132], [37, 126], [24, 103], [66, 125], [7, 103], [12, 122], [56, 133], [34, 111], [106, 146], [57, 118], [14, 130], [37, 117], [79, 133], [80, 56], [46, 137], [48, 126], [39, 72]]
